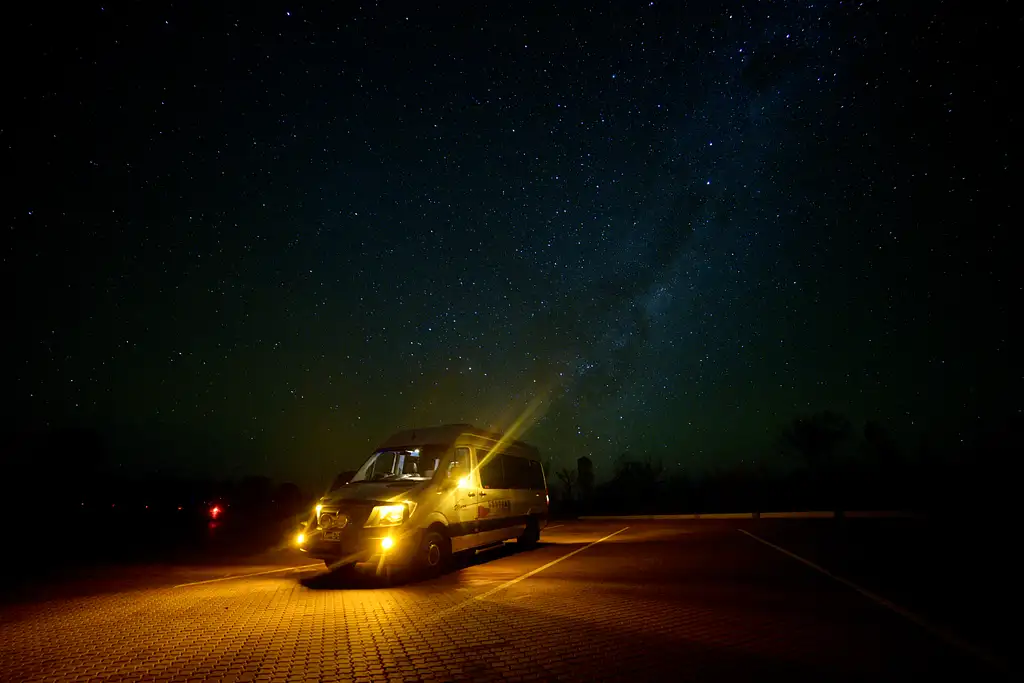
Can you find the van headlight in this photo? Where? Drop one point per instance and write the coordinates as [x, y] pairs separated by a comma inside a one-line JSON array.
[[389, 515]]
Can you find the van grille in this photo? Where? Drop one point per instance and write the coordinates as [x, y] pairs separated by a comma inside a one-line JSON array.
[[341, 515], [333, 520]]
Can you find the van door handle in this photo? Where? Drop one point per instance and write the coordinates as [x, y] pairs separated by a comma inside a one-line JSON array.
[[470, 494], [482, 494]]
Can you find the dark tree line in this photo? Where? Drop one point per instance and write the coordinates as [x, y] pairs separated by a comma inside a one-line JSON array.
[[822, 462], [74, 466], [831, 464]]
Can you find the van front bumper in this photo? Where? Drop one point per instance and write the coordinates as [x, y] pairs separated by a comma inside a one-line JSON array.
[[362, 545]]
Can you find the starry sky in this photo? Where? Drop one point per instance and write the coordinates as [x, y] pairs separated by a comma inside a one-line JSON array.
[[260, 237]]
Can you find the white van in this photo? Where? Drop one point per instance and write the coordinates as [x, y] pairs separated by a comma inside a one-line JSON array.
[[427, 493]]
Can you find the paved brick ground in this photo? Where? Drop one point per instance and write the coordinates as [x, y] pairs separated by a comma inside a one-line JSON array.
[[658, 602]]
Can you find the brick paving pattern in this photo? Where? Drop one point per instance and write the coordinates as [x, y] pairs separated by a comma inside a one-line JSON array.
[[682, 607]]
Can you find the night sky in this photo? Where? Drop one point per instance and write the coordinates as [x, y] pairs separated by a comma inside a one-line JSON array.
[[258, 239]]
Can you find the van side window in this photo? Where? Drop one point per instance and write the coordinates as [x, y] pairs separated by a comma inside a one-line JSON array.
[[491, 475], [517, 471]]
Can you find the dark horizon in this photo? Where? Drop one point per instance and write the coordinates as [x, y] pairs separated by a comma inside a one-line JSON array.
[[820, 460], [260, 243]]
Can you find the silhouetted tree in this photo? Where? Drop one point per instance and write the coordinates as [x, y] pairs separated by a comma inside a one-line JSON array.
[[254, 492], [883, 475], [816, 438], [643, 475], [568, 478], [288, 499], [585, 475], [636, 484], [881, 447]]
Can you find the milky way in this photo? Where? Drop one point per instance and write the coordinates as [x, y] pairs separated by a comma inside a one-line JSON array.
[[263, 241]]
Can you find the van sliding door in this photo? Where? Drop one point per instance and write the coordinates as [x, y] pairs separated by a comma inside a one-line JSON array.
[[496, 520]]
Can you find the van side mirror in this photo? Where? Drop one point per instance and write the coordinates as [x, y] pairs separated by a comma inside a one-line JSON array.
[[456, 472]]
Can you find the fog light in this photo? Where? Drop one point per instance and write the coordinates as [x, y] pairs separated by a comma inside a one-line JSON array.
[[300, 539], [387, 543]]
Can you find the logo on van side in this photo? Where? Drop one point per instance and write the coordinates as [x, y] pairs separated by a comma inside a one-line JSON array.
[[493, 505]]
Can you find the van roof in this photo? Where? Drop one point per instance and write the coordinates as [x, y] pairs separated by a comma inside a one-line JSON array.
[[446, 435]]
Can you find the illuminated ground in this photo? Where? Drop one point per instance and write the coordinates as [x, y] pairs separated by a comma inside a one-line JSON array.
[[658, 601]]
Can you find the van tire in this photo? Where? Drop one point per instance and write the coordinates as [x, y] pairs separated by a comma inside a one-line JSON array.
[[434, 554], [530, 535]]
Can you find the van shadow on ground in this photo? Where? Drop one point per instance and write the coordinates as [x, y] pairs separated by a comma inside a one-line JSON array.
[[367, 576]]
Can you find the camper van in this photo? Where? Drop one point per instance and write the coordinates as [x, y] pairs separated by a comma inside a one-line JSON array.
[[425, 494]]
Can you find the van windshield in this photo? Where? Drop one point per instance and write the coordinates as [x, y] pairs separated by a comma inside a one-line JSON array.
[[401, 464]]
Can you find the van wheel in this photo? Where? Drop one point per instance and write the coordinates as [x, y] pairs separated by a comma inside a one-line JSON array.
[[530, 535], [434, 554]]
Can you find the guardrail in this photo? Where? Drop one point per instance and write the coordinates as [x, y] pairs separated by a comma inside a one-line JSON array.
[[810, 514]]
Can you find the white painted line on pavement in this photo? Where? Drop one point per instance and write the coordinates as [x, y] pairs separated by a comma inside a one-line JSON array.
[[538, 570], [811, 514], [553, 526], [445, 612], [938, 632], [717, 515], [245, 576]]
